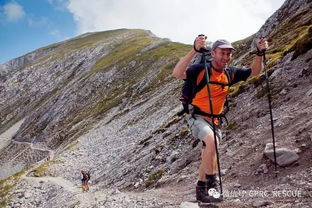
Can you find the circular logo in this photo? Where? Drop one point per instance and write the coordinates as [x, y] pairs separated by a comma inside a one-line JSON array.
[[214, 193], [211, 191]]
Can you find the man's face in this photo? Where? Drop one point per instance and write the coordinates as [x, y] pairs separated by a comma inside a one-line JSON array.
[[221, 57]]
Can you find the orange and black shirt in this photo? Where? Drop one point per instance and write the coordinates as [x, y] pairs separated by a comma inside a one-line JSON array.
[[218, 92]]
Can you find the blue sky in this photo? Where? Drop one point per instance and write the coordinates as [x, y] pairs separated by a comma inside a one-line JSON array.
[[26, 25], [38, 23]]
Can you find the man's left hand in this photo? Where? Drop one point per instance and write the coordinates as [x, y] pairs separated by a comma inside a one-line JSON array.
[[262, 44]]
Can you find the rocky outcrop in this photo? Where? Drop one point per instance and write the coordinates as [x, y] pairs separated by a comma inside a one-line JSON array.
[[287, 30]]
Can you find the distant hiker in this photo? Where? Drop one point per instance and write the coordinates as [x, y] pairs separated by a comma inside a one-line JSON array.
[[85, 180], [203, 114]]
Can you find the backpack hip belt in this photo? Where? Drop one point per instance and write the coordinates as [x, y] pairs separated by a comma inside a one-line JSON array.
[[194, 110]]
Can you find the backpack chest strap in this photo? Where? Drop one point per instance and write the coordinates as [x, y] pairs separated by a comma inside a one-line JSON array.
[[203, 82]]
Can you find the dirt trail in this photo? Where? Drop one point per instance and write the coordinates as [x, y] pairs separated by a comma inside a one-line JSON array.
[[6, 136], [66, 184], [107, 197]]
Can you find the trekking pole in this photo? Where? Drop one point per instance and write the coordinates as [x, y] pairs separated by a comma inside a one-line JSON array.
[[270, 107], [262, 52], [204, 52], [213, 124]]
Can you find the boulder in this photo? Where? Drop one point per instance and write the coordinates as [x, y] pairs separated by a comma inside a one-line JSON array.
[[284, 156]]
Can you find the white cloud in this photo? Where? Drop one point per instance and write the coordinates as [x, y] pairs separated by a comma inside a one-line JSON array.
[[55, 33], [179, 20], [38, 22], [13, 11]]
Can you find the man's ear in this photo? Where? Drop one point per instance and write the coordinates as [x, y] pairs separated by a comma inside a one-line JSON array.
[[213, 53]]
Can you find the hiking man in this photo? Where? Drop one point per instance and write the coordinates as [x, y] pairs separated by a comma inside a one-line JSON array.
[[85, 180], [200, 119]]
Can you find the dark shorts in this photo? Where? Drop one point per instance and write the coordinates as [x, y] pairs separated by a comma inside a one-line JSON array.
[[84, 181]]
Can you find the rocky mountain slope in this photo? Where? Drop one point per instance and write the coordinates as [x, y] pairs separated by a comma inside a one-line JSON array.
[[106, 102], [63, 90]]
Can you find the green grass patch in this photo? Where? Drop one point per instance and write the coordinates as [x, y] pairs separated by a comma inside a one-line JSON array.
[[256, 80], [291, 35], [113, 99], [92, 39], [11, 178], [153, 178], [6, 185], [3, 203], [171, 49], [168, 53], [184, 131], [131, 50], [71, 146], [43, 170], [303, 44], [300, 42], [231, 126], [5, 189], [237, 89], [122, 54], [261, 92], [163, 77]]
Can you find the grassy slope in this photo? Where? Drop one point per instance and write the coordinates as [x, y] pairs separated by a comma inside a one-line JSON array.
[[292, 35]]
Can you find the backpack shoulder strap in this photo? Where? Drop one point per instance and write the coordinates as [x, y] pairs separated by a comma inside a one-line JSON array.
[[203, 82], [230, 72]]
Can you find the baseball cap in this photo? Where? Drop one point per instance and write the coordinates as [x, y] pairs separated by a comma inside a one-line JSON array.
[[222, 44]]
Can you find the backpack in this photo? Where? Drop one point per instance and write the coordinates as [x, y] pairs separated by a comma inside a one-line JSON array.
[[86, 176], [190, 87]]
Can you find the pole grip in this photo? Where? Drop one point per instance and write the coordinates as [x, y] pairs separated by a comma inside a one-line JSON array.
[[202, 50]]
